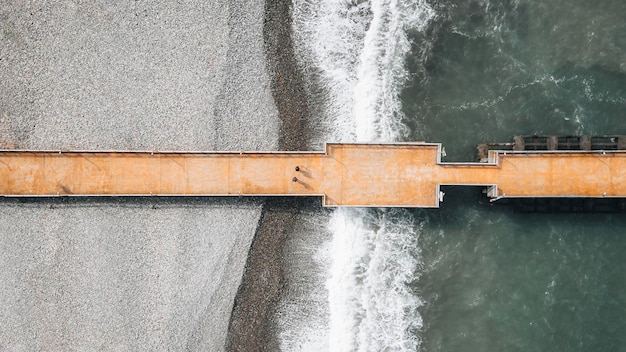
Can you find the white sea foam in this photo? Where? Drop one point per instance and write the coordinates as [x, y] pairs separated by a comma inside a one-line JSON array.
[[375, 257], [355, 50]]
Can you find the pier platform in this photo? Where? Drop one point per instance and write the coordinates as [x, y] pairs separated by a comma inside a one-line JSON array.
[[364, 175]]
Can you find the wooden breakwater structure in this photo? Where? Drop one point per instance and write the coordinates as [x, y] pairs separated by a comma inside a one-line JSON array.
[[556, 142], [363, 175], [562, 143]]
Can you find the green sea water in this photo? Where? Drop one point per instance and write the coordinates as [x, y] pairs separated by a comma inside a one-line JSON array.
[[493, 279]]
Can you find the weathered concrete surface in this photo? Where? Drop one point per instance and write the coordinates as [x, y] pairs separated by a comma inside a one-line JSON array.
[[139, 274]]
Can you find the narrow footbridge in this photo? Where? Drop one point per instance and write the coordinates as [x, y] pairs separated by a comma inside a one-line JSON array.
[[370, 175]]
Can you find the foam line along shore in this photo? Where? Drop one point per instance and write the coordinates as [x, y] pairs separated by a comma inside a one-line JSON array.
[[354, 54]]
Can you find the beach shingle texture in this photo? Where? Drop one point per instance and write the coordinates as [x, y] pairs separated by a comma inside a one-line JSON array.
[[128, 274]]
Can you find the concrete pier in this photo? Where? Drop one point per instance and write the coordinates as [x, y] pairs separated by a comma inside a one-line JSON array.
[[369, 175]]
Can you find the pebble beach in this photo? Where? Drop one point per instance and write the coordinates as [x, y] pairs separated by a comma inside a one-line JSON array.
[[143, 274]]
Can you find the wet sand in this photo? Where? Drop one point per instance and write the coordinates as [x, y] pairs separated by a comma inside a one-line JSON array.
[[252, 325]]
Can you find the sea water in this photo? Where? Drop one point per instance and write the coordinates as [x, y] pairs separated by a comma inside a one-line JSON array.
[[468, 276], [494, 280]]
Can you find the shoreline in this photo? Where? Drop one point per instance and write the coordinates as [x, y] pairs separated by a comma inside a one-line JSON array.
[[251, 326], [287, 82]]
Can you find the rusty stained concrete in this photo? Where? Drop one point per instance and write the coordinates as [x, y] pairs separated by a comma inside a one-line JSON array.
[[402, 175]]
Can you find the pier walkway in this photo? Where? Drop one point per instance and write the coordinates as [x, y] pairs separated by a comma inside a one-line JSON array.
[[377, 175]]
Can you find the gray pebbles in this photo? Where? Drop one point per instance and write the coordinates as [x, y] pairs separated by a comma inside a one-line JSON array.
[[128, 274]]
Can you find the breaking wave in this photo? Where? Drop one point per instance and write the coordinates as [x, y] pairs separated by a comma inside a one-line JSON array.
[[353, 53]]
